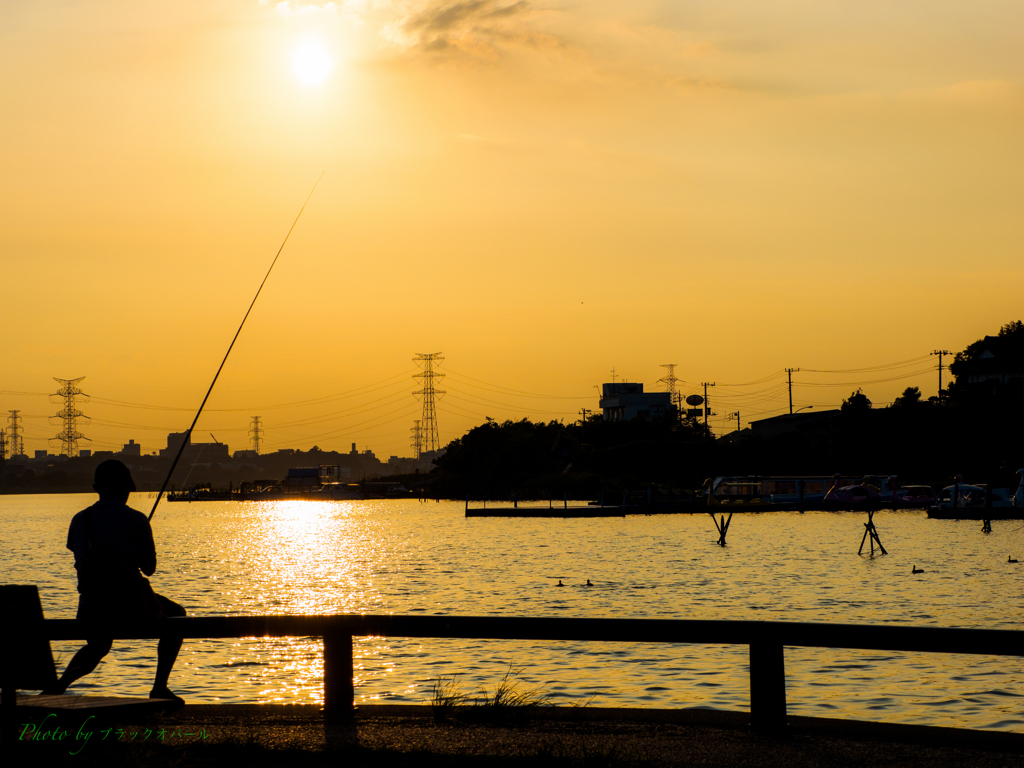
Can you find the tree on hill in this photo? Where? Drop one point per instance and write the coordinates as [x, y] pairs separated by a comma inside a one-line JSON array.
[[857, 402], [911, 396], [495, 460]]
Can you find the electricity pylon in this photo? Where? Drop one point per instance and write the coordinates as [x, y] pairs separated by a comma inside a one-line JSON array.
[[417, 438], [429, 440], [670, 386], [15, 442], [256, 432], [69, 415]]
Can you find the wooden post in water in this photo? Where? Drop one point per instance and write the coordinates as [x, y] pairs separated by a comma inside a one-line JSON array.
[[339, 692], [871, 532], [723, 527], [986, 526]]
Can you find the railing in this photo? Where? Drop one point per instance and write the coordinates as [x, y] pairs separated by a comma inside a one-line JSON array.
[[766, 641]]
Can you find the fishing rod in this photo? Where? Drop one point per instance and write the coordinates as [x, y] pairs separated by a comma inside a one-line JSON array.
[[188, 435]]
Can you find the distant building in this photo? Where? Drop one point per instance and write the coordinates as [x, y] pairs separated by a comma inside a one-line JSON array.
[[624, 401], [131, 448], [997, 358], [85, 453], [174, 441], [195, 452]]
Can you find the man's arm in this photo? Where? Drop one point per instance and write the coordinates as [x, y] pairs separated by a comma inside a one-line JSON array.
[[147, 549]]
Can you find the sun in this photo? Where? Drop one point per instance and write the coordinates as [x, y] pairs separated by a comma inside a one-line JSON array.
[[311, 63]]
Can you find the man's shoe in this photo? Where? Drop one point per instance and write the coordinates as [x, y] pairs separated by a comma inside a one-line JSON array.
[[165, 693]]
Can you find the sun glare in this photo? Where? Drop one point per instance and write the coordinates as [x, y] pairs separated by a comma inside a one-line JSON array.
[[311, 63]]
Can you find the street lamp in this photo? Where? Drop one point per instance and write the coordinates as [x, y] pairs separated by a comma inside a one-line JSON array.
[[802, 409]]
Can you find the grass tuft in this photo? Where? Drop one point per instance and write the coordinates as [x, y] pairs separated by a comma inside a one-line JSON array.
[[445, 696], [508, 700]]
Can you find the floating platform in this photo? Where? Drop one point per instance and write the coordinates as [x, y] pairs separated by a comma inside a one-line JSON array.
[[685, 508], [590, 510], [976, 513]]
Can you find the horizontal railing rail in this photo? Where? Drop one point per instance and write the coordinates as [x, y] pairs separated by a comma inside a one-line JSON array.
[[766, 640]]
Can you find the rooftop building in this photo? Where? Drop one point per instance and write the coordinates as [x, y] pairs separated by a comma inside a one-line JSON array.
[[624, 401]]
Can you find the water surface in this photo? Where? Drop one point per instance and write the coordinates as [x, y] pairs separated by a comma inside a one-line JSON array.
[[409, 557]]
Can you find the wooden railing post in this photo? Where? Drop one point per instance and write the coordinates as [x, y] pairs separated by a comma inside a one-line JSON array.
[[339, 693], [767, 686]]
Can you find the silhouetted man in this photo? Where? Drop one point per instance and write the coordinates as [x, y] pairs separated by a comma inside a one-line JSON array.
[[113, 546]]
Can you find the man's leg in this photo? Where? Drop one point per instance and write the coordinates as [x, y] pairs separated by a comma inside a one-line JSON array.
[[82, 663], [166, 652]]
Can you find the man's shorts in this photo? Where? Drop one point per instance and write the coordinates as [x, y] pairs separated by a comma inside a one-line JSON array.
[[134, 600]]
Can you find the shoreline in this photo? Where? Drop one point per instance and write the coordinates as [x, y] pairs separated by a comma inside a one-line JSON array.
[[287, 735]]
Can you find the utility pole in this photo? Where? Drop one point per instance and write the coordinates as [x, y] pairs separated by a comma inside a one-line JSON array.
[[15, 441], [69, 415], [789, 373], [706, 384], [583, 413], [256, 432], [430, 440], [3, 445], [613, 374], [940, 353], [417, 438], [736, 416]]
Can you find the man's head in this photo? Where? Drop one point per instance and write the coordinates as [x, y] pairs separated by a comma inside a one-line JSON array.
[[113, 481]]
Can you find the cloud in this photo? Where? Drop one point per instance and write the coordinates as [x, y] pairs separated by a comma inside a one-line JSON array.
[[476, 27]]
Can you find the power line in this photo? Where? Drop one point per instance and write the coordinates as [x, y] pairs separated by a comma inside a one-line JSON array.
[[872, 368], [501, 389]]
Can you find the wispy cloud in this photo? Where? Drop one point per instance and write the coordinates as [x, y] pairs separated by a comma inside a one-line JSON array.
[[478, 28]]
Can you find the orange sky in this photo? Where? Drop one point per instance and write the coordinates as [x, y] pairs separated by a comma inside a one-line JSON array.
[[539, 190]]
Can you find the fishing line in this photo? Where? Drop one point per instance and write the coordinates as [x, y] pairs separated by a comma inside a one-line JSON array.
[[188, 434]]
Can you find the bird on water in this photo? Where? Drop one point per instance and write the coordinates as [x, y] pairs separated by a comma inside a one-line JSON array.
[[590, 585], [917, 570], [1011, 560], [559, 584]]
